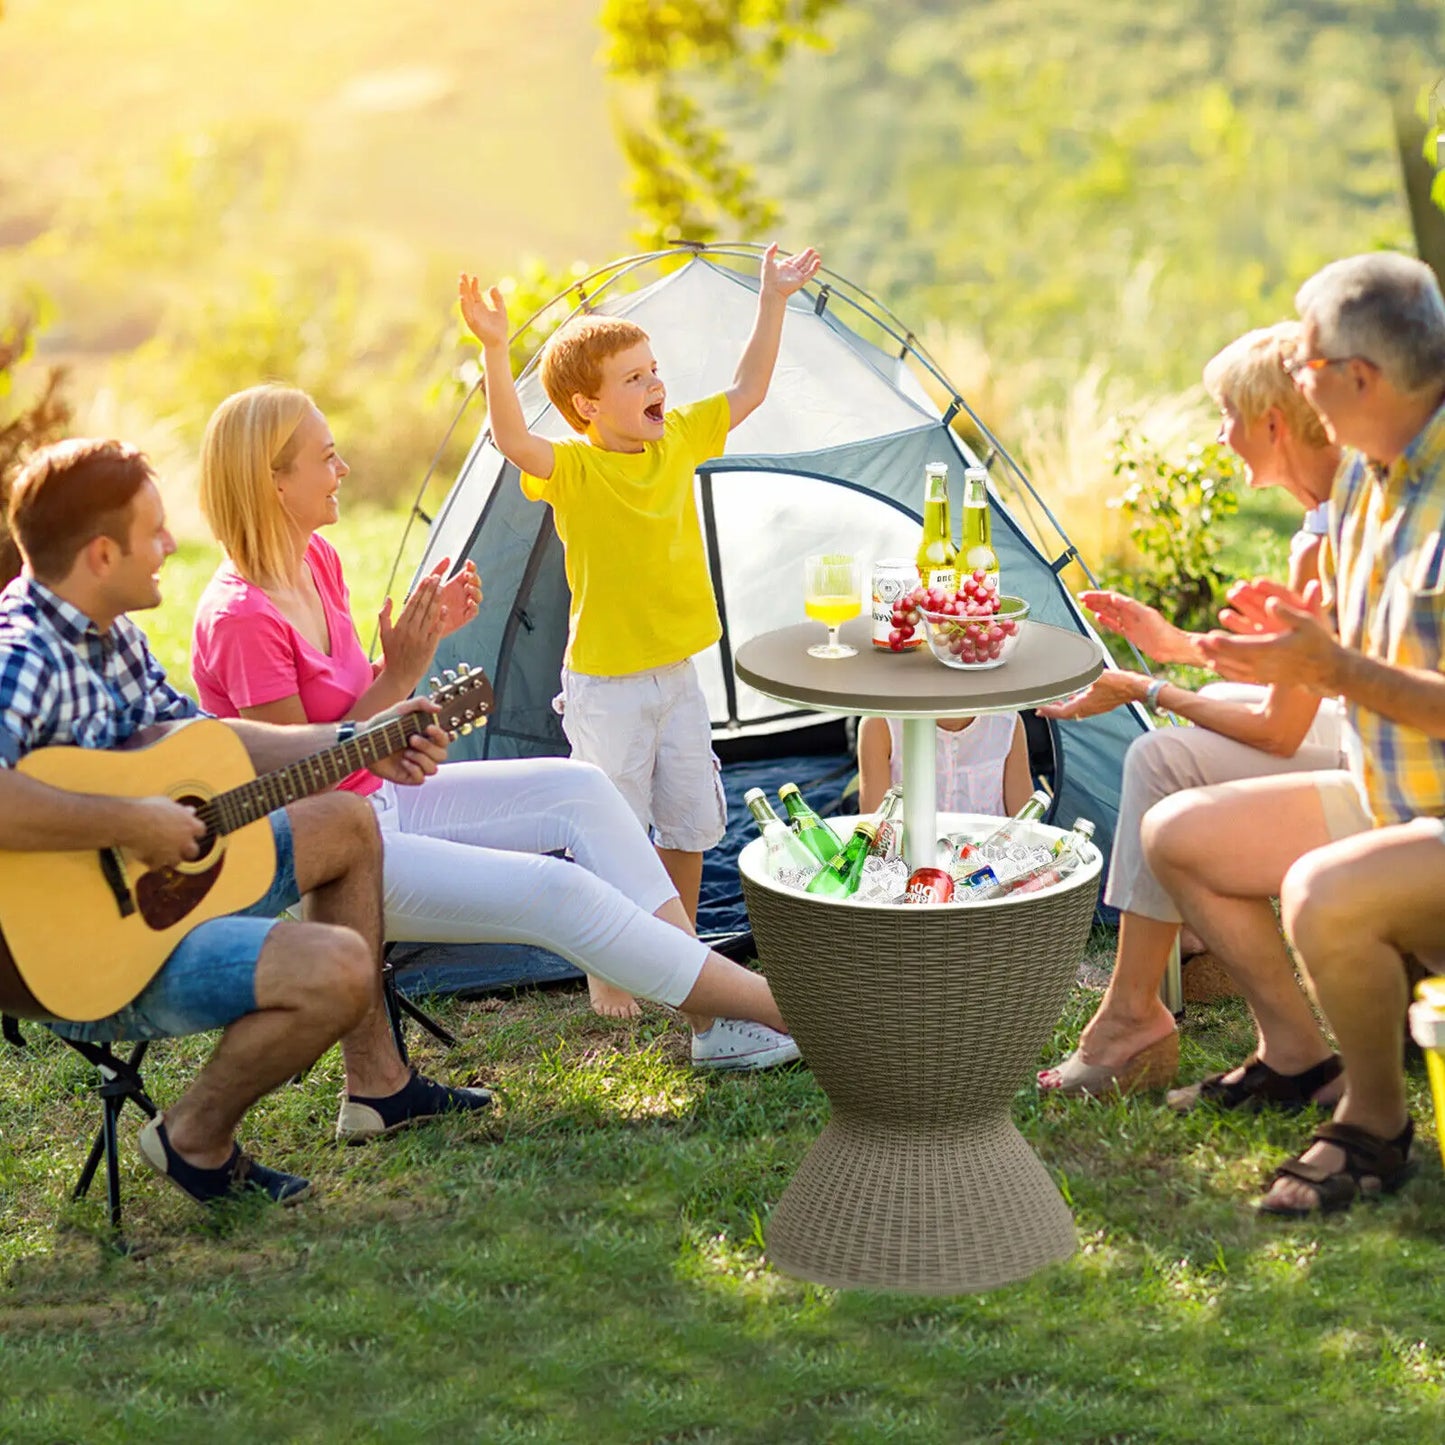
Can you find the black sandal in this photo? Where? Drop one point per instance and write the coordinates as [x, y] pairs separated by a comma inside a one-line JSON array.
[[1259, 1086], [1373, 1166]]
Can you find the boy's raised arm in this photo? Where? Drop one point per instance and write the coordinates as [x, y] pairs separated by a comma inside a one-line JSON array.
[[486, 316], [780, 279]]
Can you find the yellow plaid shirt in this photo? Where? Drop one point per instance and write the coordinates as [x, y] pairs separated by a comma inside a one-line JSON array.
[[1382, 564]]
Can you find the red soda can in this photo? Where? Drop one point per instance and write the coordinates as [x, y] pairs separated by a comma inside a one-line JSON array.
[[929, 885]]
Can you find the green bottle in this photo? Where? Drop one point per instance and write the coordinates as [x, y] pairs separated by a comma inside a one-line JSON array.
[[838, 877], [819, 839]]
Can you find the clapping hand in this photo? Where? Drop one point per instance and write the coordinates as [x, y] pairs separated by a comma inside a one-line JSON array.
[[461, 596], [485, 314], [409, 643], [783, 278], [1279, 637], [1135, 621]]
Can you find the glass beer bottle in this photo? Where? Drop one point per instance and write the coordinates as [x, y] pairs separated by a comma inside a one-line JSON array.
[[937, 556], [838, 877], [787, 861], [977, 554], [815, 835]]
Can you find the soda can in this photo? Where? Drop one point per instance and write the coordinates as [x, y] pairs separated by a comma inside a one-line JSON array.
[[893, 578], [929, 885]]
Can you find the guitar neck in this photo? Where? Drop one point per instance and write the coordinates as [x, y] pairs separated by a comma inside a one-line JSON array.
[[312, 774]]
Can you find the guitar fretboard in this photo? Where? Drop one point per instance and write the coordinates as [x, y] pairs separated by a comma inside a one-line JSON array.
[[235, 809]]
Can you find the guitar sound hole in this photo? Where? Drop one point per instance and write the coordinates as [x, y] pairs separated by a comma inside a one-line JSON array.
[[166, 896]]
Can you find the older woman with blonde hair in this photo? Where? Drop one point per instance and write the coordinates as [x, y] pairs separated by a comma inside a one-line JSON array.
[[466, 855], [1239, 732]]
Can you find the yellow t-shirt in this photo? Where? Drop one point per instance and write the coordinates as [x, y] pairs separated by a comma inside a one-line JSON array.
[[641, 593]]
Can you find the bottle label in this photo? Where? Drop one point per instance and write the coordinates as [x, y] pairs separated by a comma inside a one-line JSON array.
[[940, 577]]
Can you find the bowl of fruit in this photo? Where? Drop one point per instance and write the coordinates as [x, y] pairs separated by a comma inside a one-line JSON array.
[[972, 627]]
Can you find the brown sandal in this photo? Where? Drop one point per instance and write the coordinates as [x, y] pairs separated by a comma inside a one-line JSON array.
[[1373, 1166], [1257, 1087]]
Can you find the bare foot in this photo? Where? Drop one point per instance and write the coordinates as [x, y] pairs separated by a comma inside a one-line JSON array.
[[610, 1001], [1110, 1042]]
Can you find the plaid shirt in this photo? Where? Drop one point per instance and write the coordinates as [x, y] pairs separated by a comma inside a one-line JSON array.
[[1383, 563], [64, 682]]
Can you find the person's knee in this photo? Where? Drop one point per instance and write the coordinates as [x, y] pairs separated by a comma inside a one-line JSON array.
[[1324, 919], [335, 973], [1167, 833]]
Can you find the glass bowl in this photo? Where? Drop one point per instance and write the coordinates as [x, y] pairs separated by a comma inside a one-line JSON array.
[[976, 643]]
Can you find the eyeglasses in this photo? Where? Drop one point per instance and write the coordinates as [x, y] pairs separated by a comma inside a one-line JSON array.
[[1296, 366]]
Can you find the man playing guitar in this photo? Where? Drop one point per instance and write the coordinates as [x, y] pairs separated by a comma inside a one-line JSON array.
[[74, 670]]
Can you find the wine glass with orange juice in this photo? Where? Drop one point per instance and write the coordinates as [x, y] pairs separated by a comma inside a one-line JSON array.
[[832, 593]]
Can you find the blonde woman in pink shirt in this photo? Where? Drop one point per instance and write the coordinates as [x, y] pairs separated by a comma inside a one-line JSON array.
[[465, 856]]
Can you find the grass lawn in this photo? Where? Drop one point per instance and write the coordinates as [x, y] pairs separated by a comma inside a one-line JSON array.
[[589, 1263]]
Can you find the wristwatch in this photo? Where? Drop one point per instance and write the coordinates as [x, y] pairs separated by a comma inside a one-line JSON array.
[[345, 731], [1151, 695]]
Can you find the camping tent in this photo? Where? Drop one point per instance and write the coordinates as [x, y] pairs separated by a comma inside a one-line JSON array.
[[833, 460]]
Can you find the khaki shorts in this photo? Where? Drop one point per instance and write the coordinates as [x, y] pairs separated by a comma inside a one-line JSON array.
[[651, 734], [1344, 809]]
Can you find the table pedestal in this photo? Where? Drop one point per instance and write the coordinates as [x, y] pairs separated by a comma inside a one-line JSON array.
[[920, 1024]]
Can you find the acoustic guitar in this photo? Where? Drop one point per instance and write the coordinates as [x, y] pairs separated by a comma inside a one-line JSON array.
[[82, 933]]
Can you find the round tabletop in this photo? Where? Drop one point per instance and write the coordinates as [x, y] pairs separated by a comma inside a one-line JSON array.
[[1048, 663]]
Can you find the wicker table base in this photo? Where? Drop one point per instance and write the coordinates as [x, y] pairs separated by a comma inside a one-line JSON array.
[[920, 1024]]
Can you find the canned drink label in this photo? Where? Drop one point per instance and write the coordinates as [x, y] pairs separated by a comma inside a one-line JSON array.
[[929, 885], [893, 578]]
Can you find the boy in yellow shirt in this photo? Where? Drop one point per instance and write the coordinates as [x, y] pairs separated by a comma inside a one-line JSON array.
[[642, 598]]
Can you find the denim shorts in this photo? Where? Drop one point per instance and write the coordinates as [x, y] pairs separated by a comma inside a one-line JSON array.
[[209, 980]]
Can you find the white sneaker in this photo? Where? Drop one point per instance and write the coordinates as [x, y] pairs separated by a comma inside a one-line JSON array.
[[742, 1044]]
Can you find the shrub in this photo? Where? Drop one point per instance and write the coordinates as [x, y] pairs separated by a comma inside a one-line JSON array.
[[1174, 510]]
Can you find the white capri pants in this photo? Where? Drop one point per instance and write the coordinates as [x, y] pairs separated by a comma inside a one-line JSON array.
[[463, 863], [1170, 759]]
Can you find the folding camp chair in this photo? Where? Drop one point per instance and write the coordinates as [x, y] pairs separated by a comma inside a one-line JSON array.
[[399, 1008], [120, 1081]]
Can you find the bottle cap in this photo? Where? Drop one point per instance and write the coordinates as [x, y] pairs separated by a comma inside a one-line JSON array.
[[1084, 827], [753, 793], [787, 788]]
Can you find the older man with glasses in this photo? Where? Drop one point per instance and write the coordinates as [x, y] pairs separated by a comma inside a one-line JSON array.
[[1371, 362]]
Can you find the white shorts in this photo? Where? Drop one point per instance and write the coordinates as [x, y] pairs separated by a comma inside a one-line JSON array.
[[651, 734]]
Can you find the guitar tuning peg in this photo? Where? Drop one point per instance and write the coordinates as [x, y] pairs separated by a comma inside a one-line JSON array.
[[469, 714], [462, 669], [481, 722], [449, 675], [434, 683], [465, 728]]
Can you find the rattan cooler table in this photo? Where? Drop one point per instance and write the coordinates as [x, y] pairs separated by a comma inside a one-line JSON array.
[[919, 1023]]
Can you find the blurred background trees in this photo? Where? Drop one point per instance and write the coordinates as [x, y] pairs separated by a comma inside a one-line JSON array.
[[1074, 204]]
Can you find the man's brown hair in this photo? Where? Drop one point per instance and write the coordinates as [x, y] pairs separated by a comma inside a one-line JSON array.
[[572, 359], [69, 494]]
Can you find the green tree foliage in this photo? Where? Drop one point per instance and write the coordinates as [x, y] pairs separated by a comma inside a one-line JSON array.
[[686, 181], [1176, 512], [1121, 180]]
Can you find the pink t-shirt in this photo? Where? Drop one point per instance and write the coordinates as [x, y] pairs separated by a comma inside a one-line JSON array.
[[244, 653]]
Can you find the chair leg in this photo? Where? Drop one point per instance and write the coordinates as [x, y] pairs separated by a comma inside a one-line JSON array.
[[120, 1080], [399, 1008]]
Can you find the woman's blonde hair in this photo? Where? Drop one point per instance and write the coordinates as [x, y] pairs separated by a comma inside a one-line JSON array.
[[1249, 374], [250, 437]]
